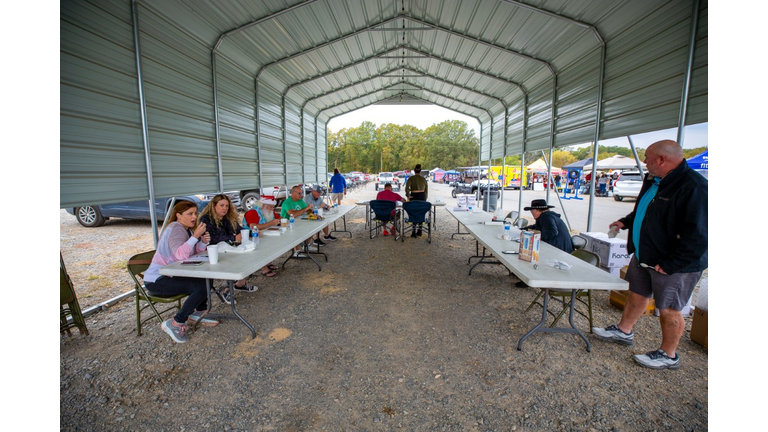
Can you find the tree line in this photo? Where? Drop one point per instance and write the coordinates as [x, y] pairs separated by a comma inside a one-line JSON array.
[[449, 144]]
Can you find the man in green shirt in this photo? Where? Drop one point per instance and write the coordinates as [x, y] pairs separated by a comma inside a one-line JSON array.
[[295, 206]]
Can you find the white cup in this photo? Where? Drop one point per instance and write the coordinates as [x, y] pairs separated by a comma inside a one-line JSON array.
[[245, 236], [284, 222], [320, 211], [213, 254]]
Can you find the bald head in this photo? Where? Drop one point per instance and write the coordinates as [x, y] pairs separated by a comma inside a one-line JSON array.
[[662, 157]]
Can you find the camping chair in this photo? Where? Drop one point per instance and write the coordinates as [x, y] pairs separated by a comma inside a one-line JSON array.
[[72, 309], [137, 265], [417, 212], [382, 212], [579, 242], [563, 297]]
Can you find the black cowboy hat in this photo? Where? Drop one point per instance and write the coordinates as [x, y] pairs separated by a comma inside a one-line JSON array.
[[539, 204]]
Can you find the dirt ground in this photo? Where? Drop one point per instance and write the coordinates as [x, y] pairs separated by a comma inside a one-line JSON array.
[[388, 336]]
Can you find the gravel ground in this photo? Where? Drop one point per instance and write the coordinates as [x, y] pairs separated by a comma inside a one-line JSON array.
[[388, 336]]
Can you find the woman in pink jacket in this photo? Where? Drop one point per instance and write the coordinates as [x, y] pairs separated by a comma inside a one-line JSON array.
[[181, 238]]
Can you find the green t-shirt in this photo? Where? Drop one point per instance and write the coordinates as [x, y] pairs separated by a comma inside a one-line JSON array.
[[290, 204]]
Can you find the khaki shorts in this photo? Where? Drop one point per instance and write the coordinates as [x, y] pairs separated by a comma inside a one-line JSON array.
[[337, 196]]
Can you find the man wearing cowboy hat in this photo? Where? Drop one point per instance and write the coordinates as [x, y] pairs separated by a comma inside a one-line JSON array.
[[553, 229]]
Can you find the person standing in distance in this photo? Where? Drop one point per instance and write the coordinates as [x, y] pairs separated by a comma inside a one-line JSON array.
[[668, 236], [416, 189], [338, 187]]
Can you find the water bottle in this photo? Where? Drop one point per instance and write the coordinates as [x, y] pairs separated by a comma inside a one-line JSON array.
[[290, 222], [507, 231], [255, 235], [335, 208]]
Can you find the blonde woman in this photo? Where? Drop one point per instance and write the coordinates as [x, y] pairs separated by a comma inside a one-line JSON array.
[[221, 220]]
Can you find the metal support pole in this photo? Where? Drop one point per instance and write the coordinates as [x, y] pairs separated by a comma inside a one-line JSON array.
[[144, 125], [634, 152], [688, 72]]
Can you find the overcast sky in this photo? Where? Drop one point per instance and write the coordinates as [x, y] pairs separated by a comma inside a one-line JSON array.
[[424, 116]]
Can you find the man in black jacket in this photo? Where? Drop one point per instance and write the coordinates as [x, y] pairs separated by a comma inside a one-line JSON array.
[[668, 236], [553, 229]]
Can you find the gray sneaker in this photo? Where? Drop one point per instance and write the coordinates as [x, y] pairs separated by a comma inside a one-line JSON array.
[[658, 360], [613, 334], [177, 332]]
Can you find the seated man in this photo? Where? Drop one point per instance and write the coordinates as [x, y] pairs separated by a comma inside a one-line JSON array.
[[316, 201], [295, 206], [553, 229], [388, 195]]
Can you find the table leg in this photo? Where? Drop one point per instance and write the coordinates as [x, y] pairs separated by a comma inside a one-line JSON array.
[[540, 326], [234, 310], [458, 230], [344, 218]]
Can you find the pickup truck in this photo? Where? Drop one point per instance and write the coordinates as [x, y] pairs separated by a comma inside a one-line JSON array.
[[387, 177]]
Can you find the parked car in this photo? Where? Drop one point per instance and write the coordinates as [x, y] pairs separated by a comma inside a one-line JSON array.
[[92, 216], [628, 185], [471, 180], [387, 177]]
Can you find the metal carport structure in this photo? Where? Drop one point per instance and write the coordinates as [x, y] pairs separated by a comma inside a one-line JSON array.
[[170, 97]]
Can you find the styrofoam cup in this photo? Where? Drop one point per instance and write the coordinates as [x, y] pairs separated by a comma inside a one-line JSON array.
[[213, 254]]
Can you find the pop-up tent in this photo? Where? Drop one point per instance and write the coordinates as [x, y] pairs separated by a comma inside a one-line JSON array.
[[541, 167], [700, 163], [578, 165], [437, 174], [615, 162]]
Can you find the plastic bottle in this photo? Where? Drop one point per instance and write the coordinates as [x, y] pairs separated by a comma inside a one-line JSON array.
[[255, 235], [507, 232], [290, 222]]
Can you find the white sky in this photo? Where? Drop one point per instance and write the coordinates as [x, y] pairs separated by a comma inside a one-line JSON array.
[[424, 116]]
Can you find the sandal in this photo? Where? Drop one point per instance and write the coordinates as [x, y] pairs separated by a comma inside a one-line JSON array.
[[268, 273], [272, 266]]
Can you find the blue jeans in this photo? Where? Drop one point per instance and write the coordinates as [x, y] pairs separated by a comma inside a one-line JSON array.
[[194, 287]]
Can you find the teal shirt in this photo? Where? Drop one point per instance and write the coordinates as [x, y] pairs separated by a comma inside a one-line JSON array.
[[290, 204], [642, 207]]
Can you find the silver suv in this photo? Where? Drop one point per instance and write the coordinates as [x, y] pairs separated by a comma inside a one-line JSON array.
[[387, 177], [628, 185]]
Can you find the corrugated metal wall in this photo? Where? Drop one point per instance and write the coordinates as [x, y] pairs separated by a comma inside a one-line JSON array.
[[101, 152]]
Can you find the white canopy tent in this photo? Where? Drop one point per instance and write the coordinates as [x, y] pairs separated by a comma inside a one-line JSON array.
[[616, 162]]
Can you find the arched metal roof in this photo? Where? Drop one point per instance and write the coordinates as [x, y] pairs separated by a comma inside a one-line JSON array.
[[169, 97]]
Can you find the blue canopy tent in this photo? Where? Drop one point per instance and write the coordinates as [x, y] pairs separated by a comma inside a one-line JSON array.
[[700, 163], [577, 165]]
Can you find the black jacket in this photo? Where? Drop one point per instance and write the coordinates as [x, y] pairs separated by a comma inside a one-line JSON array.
[[553, 231], [674, 231]]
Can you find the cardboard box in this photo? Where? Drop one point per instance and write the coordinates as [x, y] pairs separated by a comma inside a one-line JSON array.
[[529, 245], [699, 330], [612, 252], [590, 237], [623, 272], [619, 299]]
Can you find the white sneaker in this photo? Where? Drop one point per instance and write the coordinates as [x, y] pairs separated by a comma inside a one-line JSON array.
[[614, 334], [658, 360]]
